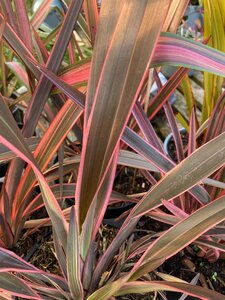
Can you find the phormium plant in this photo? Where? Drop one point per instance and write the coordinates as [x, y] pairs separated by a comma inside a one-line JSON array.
[[95, 113]]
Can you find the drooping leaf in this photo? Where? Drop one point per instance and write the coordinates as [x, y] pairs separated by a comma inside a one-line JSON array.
[[12, 138], [6, 154], [10, 262], [16, 286], [190, 171], [19, 71], [192, 54], [49, 144]]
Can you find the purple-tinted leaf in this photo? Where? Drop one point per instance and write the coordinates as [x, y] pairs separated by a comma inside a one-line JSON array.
[[41, 13], [166, 91], [8, 11], [49, 144], [16, 286], [19, 71], [193, 290], [6, 154], [175, 131], [44, 86], [146, 127], [91, 13], [177, 51], [179, 236], [72, 93], [119, 74], [192, 132], [18, 45], [23, 23], [159, 160], [12, 138]]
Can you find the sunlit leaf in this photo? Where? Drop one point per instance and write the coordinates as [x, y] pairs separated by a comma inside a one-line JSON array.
[[119, 74]]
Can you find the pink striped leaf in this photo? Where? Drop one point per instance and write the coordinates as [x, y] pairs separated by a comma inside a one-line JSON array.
[[178, 51], [44, 152], [41, 13], [24, 28], [18, 46], [192, 145], [77, 96], [161, 162], [11, 137], [190, 171], [91, 13], [116, 92], [17, 287], [19, 71], [44, 86], [179, 236], [200, 164], [73, 258], [54, 136], [77, 74], [6, 154], [10, 262], [186, 288]]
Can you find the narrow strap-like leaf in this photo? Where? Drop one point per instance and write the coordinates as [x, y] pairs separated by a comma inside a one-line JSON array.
[[73, 258]]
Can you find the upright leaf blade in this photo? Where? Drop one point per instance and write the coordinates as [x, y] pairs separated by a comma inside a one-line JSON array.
[[73, 258], [91, 12], [43, 88], [117, 89], [173, 19]]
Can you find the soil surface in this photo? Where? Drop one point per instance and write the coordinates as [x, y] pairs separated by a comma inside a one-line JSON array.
[[172, 147], [38, 248]]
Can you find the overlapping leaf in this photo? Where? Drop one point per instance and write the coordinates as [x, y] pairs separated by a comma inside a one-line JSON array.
[[12, 138], [117, 89], [179, 236], [191, 54]]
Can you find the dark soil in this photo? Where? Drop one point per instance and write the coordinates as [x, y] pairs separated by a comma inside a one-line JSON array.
[[38, 248], [130, 181], [186, 267], [172, 147]]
